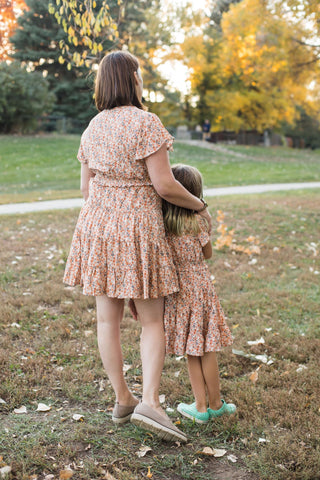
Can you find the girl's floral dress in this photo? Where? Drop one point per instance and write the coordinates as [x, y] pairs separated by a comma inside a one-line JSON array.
[[194, 320]]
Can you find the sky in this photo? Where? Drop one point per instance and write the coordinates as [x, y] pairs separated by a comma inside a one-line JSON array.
[[175, 71]]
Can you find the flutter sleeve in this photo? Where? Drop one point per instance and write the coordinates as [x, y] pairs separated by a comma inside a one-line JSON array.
[[152, 136], [203, 235], [82, 157]]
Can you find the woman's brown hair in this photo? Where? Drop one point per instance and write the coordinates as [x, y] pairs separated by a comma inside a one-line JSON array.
[[179, 220], [115, 82]]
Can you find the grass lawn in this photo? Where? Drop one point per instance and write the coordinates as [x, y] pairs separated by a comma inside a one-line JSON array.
[[45, 167], [48, 354]]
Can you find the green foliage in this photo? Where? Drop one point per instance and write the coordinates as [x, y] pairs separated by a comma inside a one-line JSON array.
[[23, 96], [36, 43], [306, 129]]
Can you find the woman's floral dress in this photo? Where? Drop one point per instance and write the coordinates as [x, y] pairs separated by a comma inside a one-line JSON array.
[[119, 247], [193, 318]]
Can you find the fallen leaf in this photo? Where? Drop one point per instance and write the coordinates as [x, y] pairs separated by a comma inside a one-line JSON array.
[[143, 451], [149, 474], [87, 333], [20, 410], [207, 451], [77, 417], [263, 440], [4, 471], [162, 398], [126, 367], [235, 326], [215, 452], [49, 477], [261, 358], [219, 452], [42, 407], [2, 401], [254, 376], [232, 458], [66, 474], [108, 476], [256, 342], [301, 368]]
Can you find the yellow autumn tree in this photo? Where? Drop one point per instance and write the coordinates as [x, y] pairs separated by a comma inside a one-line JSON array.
[[256, 70], [9, 11]]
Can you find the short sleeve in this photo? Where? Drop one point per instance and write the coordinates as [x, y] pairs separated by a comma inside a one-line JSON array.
[[81, 156], [203, 235], [152, 136]]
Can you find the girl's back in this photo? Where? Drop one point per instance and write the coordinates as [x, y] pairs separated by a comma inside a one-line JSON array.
[[187, 248]]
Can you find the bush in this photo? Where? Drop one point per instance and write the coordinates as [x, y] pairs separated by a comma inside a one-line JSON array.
[[23, 97]]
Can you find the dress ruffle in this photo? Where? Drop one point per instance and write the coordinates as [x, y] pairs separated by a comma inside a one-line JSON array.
[[119, 247], [194, 320]]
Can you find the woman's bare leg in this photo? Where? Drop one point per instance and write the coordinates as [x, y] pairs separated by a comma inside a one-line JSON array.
[[152, 348], [197, 382], [109, 315], [210, 371]]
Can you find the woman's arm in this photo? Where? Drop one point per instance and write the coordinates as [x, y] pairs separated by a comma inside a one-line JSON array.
[[168, 187], [207, 250], [86, 174]]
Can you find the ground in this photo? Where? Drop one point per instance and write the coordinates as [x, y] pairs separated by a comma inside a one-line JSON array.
[[48, 354]]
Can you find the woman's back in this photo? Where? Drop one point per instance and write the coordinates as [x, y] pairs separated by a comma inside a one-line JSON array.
[[117, 140]]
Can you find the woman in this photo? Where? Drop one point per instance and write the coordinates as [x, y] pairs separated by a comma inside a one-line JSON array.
[[119, 248]]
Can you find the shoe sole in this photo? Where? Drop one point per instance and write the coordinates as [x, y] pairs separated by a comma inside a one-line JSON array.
[[120, 420], [163, 432], [188, 415]]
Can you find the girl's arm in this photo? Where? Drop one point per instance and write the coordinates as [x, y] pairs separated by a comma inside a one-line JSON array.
[[207, 250], [168, 187], [86, 174]]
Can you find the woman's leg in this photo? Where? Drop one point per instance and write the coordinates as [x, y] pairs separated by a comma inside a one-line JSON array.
[[210, 371], [109, 315], [152, 348], [197, 382]]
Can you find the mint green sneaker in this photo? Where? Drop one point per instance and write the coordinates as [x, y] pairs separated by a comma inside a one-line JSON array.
[[190, 411], [226, 409]]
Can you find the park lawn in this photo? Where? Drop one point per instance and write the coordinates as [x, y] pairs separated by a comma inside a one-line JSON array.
[[48, 354], [45, 167]]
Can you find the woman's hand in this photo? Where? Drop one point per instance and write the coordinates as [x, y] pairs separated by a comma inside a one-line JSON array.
[[205, 214]]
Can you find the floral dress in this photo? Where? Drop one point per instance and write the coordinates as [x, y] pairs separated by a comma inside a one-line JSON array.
[[193, 318], [119, 247]]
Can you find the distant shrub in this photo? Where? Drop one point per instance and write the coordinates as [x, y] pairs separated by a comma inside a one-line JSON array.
[[23, 97]]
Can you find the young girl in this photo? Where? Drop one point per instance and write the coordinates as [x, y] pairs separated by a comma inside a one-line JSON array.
[[194, 321]]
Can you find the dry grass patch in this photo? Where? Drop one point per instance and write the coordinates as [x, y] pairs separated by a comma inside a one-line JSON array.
[[49, 354]]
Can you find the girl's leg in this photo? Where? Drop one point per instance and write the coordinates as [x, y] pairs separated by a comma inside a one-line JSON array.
[[109, 315], [210, 371], [152, 348], [197, 382]]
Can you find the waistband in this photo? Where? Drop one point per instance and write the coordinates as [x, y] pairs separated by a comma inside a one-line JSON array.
[[107, 181]]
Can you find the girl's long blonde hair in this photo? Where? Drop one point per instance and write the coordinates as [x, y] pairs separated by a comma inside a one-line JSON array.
[[179, 220]]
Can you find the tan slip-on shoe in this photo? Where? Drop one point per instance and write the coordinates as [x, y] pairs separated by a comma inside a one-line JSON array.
[[122, 413], [149, 419]]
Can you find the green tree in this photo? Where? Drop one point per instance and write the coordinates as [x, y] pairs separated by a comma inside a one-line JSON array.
[[138, 26], [36, 44], [23, 97]]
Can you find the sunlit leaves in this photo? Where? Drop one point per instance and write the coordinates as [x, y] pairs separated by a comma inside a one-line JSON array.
[[87, 25], [9, 12]]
